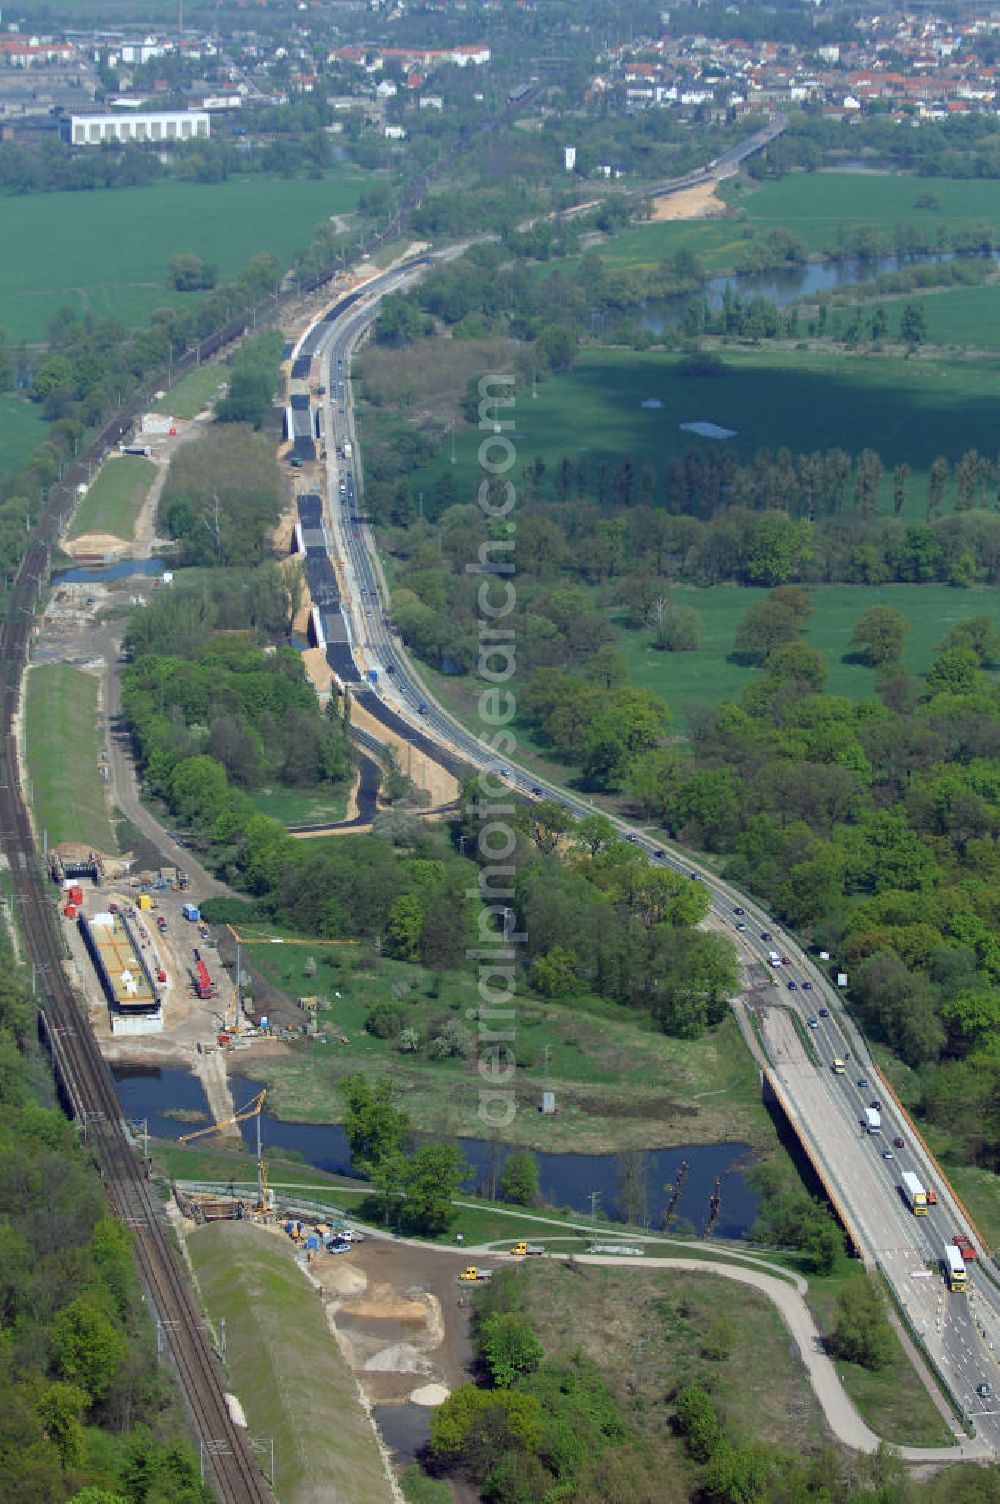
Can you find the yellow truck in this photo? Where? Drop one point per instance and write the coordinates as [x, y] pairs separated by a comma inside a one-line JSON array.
[[523, 1250], [471, 1274]]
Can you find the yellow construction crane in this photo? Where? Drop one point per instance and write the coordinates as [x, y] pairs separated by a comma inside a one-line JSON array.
[[251, 1110]]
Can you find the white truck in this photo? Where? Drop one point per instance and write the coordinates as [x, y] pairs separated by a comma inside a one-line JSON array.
[[347, 449], [873, 1120], [774, 957], [916, 1196]]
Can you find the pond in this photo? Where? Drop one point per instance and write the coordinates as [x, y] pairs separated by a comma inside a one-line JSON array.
[[123, 570], [565, 1180]]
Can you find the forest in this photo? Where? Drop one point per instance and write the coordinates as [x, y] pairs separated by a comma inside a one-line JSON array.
[[86, 1414]]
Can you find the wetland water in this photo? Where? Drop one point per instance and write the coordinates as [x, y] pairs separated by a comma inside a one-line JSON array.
[[565, 1180]]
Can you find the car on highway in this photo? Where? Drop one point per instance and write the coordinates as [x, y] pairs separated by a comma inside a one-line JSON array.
[[766, 935], [814, 1023], [898, 1142], [888, 1154], [863, 1083], [422, 707], [875, 1106], [696, 876], [823, 1012], [506, 773], [661, 856], [786, 960], [793, 986], [536, 791], [737, 910], [631, 837], [741, 925], [808, 987], [984, 1390]]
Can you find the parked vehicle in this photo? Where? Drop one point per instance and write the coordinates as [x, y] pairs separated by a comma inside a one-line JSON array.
[[473, 1274], [521, 1250]]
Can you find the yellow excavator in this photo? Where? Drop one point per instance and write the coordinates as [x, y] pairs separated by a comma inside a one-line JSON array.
[[253, 1109]]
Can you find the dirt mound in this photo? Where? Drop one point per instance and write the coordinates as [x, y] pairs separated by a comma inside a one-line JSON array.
[[429, 1394], [94, 543], [399, 1357]]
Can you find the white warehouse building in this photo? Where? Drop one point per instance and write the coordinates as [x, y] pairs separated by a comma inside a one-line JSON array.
[[159, 127]]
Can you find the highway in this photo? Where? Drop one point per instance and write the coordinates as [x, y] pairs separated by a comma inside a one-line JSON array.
[[959, 1332]]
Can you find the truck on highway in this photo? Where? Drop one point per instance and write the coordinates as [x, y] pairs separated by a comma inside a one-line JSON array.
[[347, 449], [954, 1268], [965, 1246], [838, 1066], [873, 1120], [774, 958], [916, 1196]]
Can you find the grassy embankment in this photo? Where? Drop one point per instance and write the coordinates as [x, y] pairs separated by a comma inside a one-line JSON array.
[[618, 1081], [113, 263], [63, 739], [193, 393], [114, 501], [285, 1367]]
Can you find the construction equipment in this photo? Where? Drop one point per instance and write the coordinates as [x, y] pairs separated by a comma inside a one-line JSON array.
[[265, 1197]]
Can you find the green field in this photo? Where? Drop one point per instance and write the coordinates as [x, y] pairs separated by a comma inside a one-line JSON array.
[[294, 806], [113, 503], [813, 205], [959, 317], [708, 675], [906, 410], [21, 428], [284, 1365], [63, 737], [107, 252], [194, 392]]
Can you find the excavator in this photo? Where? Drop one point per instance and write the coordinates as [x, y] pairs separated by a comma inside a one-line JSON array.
[[253, 1109]]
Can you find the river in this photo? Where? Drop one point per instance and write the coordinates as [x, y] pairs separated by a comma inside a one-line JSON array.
[[565, 1180]]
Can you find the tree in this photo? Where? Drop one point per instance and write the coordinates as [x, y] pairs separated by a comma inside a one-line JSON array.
[[189, 273], [978, 633], [555, 974], [678, 630], [698, 1421], [861, 1331], [519, 1181], [594, 832], [900, 476], [879, 636], [452, 1422], [431, 1180], [798, 663], [913, 324], [374, 1126], [955, 671], [769, 624], [404, 928], [89, 1347], [509, 1347]]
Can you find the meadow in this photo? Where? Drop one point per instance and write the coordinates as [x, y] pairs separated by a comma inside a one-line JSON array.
[[708, 675], [21, 428], [107, 252], [193, 393], [114, 501], [957, 317], [906, 410]]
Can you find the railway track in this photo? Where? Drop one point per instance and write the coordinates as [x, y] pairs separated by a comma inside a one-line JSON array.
[[91, 1096]]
